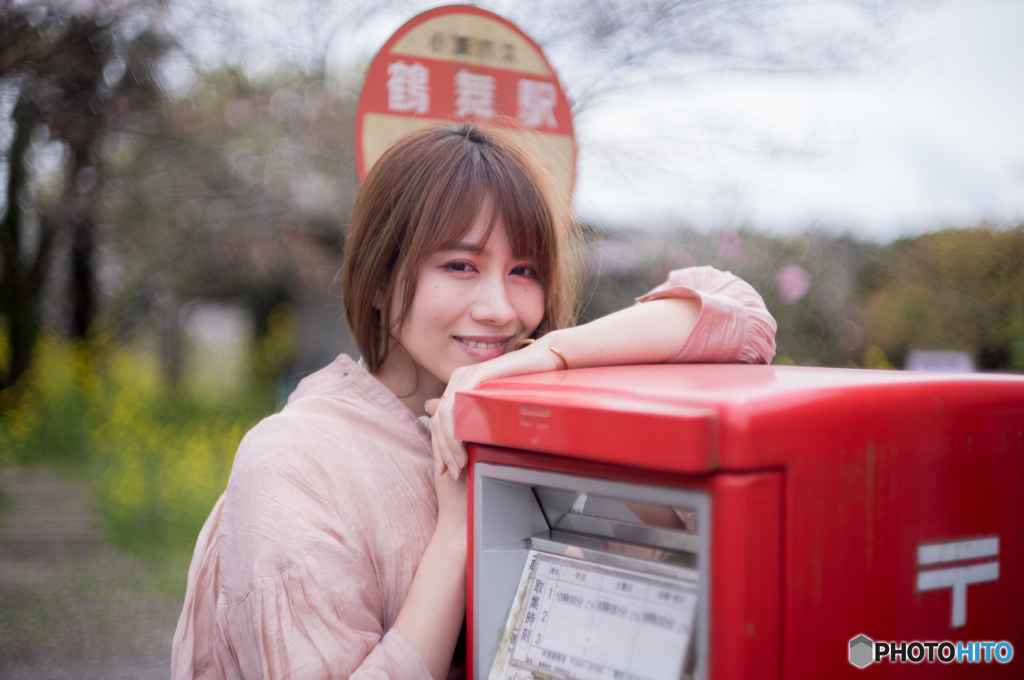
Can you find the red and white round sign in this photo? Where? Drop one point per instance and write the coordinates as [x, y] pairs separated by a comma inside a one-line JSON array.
[[459, 63]]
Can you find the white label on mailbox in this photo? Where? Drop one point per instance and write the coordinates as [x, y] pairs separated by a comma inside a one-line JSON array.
[[590, 622]]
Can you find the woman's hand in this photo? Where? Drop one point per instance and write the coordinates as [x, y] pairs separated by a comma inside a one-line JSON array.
[[449, 453]]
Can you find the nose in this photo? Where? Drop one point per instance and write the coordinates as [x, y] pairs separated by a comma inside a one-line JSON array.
[[492, 304]]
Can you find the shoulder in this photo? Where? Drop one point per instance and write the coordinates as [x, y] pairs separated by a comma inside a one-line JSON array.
[[332, 378], [329, 450], [297, 480], [340, 409]]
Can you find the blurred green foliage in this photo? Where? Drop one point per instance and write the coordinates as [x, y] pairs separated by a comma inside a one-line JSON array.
[[958, 289], [158, 457]]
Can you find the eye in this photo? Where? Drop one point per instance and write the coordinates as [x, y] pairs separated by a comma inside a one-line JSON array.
[[525, 271], [458, 267]]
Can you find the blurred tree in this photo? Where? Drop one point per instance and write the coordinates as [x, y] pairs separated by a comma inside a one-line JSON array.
[[239, 199], [75, 73], [958, 289]]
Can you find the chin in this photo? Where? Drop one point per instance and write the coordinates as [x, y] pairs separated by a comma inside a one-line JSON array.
[[446, 375]]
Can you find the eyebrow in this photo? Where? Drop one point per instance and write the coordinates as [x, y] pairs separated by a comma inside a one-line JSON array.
[[474, 248]]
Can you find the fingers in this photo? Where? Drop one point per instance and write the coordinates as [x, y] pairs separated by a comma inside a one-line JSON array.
[[449, 453], [430, 406], [461, 458], [439, 465]]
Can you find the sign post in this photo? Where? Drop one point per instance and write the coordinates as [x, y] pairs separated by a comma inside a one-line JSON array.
[[460, 63]]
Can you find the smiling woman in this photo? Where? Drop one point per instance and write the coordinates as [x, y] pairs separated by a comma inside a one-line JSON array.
[[472, 302], [339, 546], [453, 239], [423, 197]]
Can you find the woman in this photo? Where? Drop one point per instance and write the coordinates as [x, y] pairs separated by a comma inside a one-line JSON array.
[[339, 546]]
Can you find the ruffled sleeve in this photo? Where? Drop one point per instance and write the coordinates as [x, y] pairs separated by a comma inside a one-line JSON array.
[[319, 619], [734, 324]]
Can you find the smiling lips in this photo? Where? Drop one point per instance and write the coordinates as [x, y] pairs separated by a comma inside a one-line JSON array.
[[484, 347]]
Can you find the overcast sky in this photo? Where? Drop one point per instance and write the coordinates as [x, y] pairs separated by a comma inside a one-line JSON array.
[[925, 136], [931, 138]]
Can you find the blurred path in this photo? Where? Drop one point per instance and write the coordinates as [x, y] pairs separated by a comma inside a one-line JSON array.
[[70, 607], [47, 519]]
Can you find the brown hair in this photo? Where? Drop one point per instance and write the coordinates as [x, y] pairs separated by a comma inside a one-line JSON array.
[[423, 195]]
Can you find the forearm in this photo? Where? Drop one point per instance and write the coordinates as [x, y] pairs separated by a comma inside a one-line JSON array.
[[643, 334], [432, 615]]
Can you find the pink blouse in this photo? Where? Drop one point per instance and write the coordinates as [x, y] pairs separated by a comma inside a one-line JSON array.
[[306, 559]]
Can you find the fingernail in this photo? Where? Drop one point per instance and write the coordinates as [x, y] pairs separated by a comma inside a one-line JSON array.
[[454, 472]]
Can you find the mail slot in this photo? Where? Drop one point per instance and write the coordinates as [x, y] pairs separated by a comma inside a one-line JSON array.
[[698, 521]]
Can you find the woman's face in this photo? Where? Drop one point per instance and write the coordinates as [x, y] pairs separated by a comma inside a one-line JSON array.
[[471, 303]]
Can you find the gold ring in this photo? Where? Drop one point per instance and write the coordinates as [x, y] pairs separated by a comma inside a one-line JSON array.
[[523, 343], [560, 356]]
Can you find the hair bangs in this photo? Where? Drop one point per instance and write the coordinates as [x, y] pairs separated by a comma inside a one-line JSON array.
[[450, 210]]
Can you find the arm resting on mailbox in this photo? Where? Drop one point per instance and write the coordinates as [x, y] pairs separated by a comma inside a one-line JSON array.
[[699, 314]]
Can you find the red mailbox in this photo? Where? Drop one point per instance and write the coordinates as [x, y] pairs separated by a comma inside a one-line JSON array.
[[728, 521]]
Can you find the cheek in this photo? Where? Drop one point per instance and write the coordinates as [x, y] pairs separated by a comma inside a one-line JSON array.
[[436, 301], [531, 305]]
